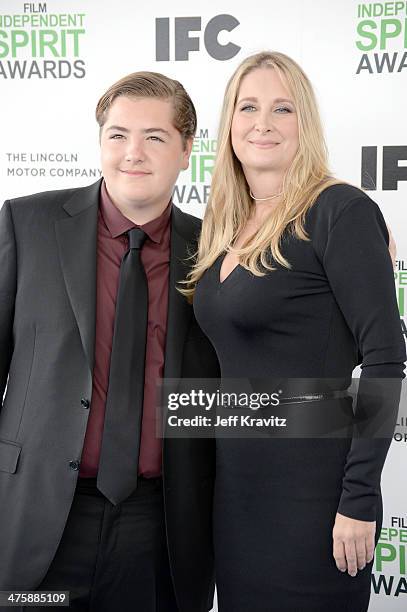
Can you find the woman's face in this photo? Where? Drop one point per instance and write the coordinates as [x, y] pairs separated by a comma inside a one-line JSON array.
[[264, 126]]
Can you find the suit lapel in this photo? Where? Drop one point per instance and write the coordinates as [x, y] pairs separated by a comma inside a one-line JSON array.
[[179, 310], [77, 244]]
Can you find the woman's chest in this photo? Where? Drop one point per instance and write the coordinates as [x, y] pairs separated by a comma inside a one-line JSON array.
[[242, 298]]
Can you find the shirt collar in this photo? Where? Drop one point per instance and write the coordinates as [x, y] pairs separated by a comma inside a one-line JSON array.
[[118, 224]]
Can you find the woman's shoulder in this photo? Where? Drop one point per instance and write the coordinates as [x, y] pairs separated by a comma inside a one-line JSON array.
[[336, 201], [344, 212]]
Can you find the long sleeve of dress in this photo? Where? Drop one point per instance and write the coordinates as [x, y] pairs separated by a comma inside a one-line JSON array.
[[358, 267]]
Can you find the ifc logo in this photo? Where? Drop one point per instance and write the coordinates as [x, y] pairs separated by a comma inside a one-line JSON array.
[[183, 43], [392, 172]]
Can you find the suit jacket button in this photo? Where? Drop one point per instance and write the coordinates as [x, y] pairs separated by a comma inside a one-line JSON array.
[[85, 403], [74, 465]]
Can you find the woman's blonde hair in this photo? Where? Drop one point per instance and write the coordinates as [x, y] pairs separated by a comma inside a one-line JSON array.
[[230, 205]]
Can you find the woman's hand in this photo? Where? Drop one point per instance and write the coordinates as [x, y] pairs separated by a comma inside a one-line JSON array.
[[353, 543]]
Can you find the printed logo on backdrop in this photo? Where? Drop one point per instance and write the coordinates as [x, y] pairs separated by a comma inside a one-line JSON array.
[[38, 43], [389, 575], [382, 168], [386, 161], [381, 29], [173, 39], [41, 164], [400, 277], [197, 178]]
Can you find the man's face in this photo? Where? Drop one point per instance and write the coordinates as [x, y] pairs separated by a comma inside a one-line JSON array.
[[142, 153]]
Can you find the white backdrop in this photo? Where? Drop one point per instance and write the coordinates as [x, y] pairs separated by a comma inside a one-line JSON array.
[[354, 52]]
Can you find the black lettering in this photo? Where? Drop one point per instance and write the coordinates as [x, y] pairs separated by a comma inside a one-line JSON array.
[[382, 582], [194, 195], [162, 39], [216, 25], [34, 71], [403, 63], [385, 59], [392, 172], [183, 42], [179, 193], [17, 67], [64, 69], [401, 587], [50, 67], [364, 64], [79, 66], [369, 168]]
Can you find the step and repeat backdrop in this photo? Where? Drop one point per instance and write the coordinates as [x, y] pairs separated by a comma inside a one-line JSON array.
[[57, 57]]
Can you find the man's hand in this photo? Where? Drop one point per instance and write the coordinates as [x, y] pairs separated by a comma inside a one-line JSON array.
[[353, 543]]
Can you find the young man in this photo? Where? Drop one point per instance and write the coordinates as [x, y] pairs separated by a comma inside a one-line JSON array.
[[91, 500]]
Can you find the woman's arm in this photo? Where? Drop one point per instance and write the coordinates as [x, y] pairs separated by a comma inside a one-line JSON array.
[[359, 269]]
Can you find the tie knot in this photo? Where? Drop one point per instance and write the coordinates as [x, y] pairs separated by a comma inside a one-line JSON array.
[[136, 238]]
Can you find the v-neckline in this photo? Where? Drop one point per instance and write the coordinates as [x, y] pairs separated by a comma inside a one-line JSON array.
[[221, 259]]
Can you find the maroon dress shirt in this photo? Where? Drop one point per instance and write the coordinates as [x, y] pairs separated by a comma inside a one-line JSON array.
[[112, 244]]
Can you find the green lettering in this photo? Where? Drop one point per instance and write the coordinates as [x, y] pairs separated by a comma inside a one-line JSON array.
[[402, 550], [204, 167], [393, 533], [63, 43], [4, 48], [378, 9], [389, 28], [383, 534], [363, 31], [400, 299], [48, 38], [381, 556], [19, 38], [365, 10], [193, 167], [75, 34]]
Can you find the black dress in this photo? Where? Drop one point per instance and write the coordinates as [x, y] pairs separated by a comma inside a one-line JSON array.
[[276, 499]]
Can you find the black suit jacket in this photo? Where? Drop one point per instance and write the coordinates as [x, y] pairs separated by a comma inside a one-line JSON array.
[[47, 333]]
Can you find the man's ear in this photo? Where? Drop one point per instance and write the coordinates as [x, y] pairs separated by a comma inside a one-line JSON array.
[[187, 152]]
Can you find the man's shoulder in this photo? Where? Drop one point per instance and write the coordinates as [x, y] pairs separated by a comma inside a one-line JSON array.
[[52, 200], [185, 224], [43, 197], [188, 219]]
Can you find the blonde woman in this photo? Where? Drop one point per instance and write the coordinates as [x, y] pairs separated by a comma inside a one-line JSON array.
[[293, 279]]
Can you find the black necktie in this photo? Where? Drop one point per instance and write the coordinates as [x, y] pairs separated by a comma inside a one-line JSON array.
[[117, 474]]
